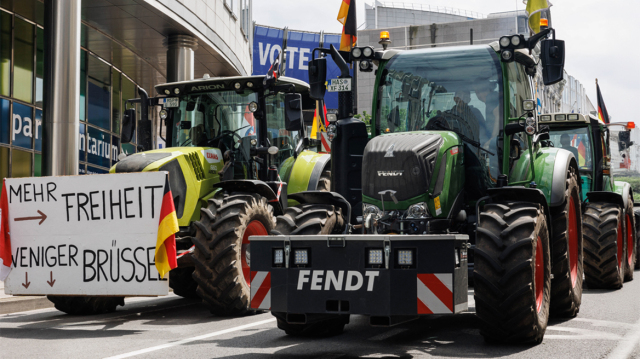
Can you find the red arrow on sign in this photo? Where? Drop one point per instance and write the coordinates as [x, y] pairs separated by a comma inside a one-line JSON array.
[[26, 280], [41, 217], [51, 281]]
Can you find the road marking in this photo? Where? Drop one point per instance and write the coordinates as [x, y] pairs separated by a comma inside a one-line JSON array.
[[604, 323], [580, 334], [388, 334], [627, 343], [189, 340]]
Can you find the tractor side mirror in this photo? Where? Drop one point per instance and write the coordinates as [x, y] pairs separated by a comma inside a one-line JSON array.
[[293, 112], [552, 57], [128, 125], [624, 140], [317, 78]]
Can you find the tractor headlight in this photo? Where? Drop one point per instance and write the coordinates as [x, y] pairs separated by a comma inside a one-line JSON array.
[[545, 118], [301, 257], [515, 40], [164, 114], [405, 257], [367, 51], [505, 41], [253, 106], [561, 117], [418, 210], [356, 52], [530, 130], [375, 257], [167, 92], [332, 130], [573, 117], [530, 121], [278, 256], [176, 91], [368, 209], [507, 55]]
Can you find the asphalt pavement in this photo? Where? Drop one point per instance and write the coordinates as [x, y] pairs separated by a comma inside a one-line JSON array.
[[608, 326]]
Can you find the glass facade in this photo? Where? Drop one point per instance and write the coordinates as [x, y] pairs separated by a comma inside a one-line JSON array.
[[103, 91]]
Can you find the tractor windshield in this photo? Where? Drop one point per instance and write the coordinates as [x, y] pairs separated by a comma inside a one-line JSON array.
[[576, 141], [202, 118], [457, 89]]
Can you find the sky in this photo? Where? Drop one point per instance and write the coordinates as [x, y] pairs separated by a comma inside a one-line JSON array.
[[600, 38]]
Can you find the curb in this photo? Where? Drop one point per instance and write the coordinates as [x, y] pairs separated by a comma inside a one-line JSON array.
[[16, 304]]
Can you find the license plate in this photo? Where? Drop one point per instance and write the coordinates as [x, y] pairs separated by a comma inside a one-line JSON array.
[[171, 102], [339, 85]]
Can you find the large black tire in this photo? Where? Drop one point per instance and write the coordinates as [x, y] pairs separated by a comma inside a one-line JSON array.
[[182, 283], [512, 272], [311, 219], [603, 247], [566, 257], [221, 260], [86, 305], [631, 241]]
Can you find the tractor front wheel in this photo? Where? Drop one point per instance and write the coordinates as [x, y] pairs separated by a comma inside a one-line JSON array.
[[512, 272], [222, 249], [566, 259], [604, 246], [630, 240]]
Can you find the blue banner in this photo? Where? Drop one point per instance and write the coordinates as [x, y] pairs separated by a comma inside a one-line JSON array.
[[267, 43]]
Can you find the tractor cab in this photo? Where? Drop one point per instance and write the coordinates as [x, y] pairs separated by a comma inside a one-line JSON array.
[[588, 140]]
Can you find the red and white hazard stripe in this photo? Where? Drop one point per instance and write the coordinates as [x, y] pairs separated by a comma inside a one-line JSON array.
[[261, 290], [326, 144], [435, 293]]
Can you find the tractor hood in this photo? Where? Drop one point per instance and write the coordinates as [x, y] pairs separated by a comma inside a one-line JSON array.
[[192, 170], [402, 162]]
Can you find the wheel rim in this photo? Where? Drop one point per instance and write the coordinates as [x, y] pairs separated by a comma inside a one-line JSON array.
[[539, 274], [255, 228], [629, 242], [620, 245], [573, 243]]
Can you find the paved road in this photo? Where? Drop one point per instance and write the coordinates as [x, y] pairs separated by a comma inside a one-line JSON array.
[[608, 326]]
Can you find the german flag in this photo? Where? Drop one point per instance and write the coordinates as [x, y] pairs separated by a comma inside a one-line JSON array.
[[603, 115], [347, 17], [166, 242]]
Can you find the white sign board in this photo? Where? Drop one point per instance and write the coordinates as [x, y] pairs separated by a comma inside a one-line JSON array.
[[85, 235], [339, 85]]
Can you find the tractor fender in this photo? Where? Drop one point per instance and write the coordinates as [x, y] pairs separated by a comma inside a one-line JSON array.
[[532, 195], [624, 189], [564, 160], [319, 197], [607, 197], [252, 186], [306, 171]]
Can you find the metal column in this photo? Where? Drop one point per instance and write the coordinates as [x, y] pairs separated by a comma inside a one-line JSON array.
[[180, 57], [61, 88]]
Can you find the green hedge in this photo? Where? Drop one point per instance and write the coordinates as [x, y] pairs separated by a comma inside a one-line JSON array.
[[635, 185]]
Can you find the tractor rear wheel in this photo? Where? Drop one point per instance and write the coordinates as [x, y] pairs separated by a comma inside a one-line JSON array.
[[182, 283], [566, 258], [86, 305], [604, 247], [512, 272], [311, 219], [222, 249], [630, 240]]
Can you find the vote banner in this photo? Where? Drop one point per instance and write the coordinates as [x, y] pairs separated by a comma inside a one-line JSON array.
[[86, 235], [267, 44]]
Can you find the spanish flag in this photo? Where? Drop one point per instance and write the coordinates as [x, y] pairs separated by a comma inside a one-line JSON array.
[[603, 115], [347, 17], [534, 10], [166, 242]]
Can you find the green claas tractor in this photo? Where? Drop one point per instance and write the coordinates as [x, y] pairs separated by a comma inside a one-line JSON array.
[[236, 149], [610, 240], [458, 171]]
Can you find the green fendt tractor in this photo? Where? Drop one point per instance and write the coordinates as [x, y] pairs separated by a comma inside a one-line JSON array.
[[608, 219], [457, 162], [235, 148]]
